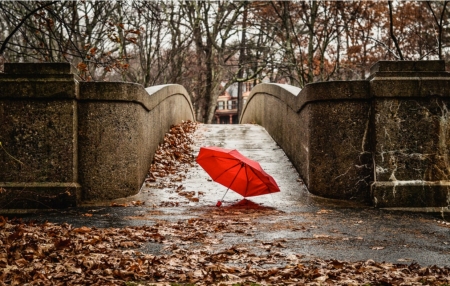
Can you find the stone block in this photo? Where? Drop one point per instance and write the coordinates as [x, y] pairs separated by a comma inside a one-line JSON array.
[[340, 159], [40, 69], [411, 134], [46, 195], [408, 66], [39, 143], [407, 194], [411, 139], [39, 154]]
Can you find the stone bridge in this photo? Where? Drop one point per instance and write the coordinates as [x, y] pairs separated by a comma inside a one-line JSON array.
[[383, 140]]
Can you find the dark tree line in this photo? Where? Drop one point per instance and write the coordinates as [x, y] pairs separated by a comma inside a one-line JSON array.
[[208, 45]]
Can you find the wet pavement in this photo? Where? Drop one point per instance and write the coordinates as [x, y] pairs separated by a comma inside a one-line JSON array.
[[293, 218]]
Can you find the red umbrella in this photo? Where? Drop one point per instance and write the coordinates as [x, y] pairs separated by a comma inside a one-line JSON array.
[[235, 171]]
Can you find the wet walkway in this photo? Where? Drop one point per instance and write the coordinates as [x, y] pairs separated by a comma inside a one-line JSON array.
[[298, 221]]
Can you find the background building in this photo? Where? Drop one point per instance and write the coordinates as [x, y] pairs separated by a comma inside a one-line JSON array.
[[227, 103]]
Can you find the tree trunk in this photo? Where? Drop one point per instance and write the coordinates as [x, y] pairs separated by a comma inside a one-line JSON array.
[[391, 29]]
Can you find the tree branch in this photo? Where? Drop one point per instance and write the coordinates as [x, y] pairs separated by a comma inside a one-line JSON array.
[[3, 47]]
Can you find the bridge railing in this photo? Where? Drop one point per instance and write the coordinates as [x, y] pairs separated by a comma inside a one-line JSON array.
[[384, 139], [64, 141]]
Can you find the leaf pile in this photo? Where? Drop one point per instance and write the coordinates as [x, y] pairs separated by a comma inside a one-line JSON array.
[[52, 254], [173, 155]]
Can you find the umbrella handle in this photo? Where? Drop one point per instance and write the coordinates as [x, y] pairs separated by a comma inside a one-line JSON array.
[[224, 194]]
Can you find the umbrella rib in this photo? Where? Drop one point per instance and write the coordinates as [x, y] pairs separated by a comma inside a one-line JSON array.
[[226, 170], [246, 175], [232, 181], [262, 179]]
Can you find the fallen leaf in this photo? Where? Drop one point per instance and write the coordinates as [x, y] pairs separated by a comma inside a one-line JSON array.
[[321, 236], [82, 229], [3, 221], [137, 203], [118, 205], [21, 262]]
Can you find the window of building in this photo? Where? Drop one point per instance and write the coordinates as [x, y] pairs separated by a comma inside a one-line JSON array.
[[220, 105], [232, 104]]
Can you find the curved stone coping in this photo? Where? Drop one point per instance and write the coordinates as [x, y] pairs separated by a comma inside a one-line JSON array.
[[285, 93], [160, 92], [297, 98], [149, 97]]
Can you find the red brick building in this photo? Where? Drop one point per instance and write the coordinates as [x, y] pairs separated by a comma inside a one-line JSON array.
[[227, 103]]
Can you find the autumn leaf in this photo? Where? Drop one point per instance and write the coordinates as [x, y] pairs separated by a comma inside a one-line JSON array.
[[62, 243], [82, 229], [137, 203], [3, 221], [82, 67], [119, 205]]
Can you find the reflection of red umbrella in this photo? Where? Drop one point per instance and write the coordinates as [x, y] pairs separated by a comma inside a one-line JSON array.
[[235, 171]]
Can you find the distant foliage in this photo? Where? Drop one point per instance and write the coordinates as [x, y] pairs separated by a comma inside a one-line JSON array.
[[199, 44]]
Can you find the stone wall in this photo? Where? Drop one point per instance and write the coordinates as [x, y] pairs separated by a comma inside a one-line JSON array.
[[384, 139], [64, 141], [411, 134]]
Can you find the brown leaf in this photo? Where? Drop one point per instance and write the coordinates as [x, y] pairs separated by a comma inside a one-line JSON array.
[[127, 244], [118, 205], [17, 234], [3, 221], [61, 243], [321, 236], [83, 229], [21, 262], [137, 203]]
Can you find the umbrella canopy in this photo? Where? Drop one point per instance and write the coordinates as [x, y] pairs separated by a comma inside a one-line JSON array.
[[236, 172]]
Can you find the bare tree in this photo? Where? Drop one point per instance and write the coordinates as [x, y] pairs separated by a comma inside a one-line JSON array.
[[208, 45], [212, 27], [439, 21]]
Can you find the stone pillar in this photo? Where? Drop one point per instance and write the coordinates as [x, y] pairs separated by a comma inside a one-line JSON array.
[[38, 135], [410, 134]]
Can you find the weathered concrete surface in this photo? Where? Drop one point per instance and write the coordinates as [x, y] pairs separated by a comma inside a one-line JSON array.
[[120, 126], [65, 141], [305, 224], [38, 122], [324, 131], [410, 134], [383, 140]]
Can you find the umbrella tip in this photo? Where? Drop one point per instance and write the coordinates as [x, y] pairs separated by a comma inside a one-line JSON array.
[[219, 203]]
